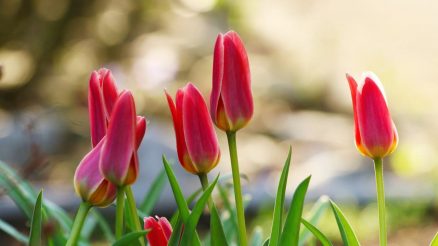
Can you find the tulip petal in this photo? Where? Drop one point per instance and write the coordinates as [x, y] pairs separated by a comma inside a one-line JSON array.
[[375, 124], [236, 83], [140, 130], [120, 140], [199, 134], [218, 67], [96, 110], [109, 90], [167, 228], [353, 89], [89, 184], [157, 235], [176, 111]]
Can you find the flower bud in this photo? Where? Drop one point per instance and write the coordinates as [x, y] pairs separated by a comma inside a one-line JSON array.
[[196, 140], [231, 103], [375, 132], [160, 230]]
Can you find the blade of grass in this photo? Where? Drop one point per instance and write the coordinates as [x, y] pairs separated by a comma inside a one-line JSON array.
[[315, 214], [348, 236], [11, 231], [153, 193], [317, 233], [434, 241], [277, 221], [35, 228], [190, 225], [130, 238], [291, 228]]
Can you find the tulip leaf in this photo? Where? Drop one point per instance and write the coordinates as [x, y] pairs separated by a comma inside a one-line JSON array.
[[192, 222], [177, 231], [279, 203], [257, 237], [316, 212], [37, 217], [179, 197], [11, 231], [104, 226], [217, 231], [153, 193], [291, 228], [130, 238], [348, 236], [434, 241], [266, 242], [317, 233]]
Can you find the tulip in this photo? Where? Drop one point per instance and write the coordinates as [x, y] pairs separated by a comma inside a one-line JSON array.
[[160, 230], [89, 184], [231, 103], [119, 161], [375, 132], [196, 141]]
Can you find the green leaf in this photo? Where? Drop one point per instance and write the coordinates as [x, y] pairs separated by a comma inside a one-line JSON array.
[[230, 223], [153, 193], [179, 198], [35, 228], [218, 237], [348, 236], [266, 242], [434, 241], [176, 233], [257, 237], [277, 221], [192, 222], [315, 214], [130, 238], [11, 231], [291, 228], [317, 233], [104, 226]]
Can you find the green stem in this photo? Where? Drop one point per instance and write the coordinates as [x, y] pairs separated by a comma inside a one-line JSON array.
[[237, 187], [204, 182], [133, 208], [78, 223], [378, 166], [120, 203]]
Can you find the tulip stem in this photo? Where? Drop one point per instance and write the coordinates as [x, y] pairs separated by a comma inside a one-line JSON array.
[[204, 182], [231, 135], [133, 209], [120, 203], [378, 166], [78, 223]]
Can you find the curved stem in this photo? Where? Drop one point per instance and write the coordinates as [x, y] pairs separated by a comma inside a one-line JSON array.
[[133, 208], [378, 166], [237, 187], [78, 223], [204, 182], [120, 203]]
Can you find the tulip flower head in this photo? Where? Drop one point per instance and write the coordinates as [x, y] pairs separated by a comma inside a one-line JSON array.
[[196, 141], [89, 184], [231, 103], [160, 230], [375, 132]]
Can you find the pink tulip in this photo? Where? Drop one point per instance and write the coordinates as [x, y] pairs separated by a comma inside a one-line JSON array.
[[160, 230], [231, 103], [375, 132], [90, 184], [196, 140], [119, 162]]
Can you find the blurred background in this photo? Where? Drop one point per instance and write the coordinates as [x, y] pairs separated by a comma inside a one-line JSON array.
[[299, 53]]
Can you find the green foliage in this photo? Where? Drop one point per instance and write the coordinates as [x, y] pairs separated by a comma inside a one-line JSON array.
[[153, 193], [130, 238], [317, 233], [37, 217], [315, 214], [348, 236], [11, 231]]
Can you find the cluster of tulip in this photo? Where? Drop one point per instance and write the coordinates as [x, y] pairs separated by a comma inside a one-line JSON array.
[[108, 170]]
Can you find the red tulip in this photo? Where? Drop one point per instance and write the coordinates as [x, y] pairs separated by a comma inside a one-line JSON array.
[[160, 230], [231, 98], [196, 140], [119, 162], [375, 132], [89, 184]]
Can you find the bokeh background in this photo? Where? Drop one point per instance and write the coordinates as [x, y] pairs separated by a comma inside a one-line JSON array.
[[299, 53]]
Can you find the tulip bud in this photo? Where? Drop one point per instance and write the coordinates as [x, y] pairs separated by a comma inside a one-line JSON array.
[[89, 184], [231, 103], [119, 162], [196, 140], [375, 132], [160, 230]]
